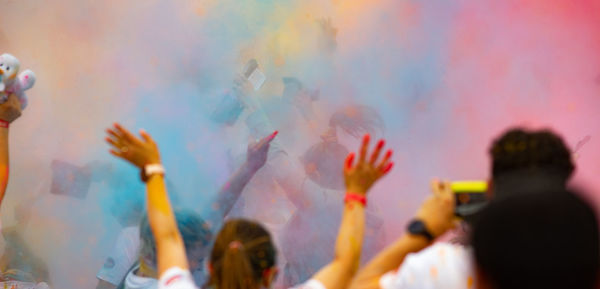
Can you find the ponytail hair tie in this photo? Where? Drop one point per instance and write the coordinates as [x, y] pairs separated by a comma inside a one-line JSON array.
[[235, 245]]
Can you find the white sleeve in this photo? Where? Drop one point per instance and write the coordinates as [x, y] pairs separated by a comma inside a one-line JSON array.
[[122, 257], [439, 266], [176, 278], [310, 284]]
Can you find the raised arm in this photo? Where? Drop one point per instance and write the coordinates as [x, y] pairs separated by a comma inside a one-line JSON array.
[[9, 111], [437, 213], [359, 179], [230, 192], [143, 153]]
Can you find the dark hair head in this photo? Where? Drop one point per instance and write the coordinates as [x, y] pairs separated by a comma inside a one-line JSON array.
[[542, 150], [242, 252], [538, 240], [194, 232]]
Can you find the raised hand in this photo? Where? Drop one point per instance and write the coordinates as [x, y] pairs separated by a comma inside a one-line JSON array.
[[11, 109], [437, 212], [138, 151], [360, 177], [257, 152]]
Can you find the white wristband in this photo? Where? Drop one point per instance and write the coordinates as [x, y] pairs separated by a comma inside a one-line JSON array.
[[153, 169]]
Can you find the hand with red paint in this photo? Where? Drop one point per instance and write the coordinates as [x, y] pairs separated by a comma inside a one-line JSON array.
[[256, 157], [125, 145], [11, 109], [437, 212], [360, 177]]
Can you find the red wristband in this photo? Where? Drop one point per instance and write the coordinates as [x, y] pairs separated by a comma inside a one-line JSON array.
[[4, 123], [355, 197]]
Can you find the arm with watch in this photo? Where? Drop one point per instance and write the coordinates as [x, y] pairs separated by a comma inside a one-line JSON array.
[[434, 218], [359, 178], [144, 154]]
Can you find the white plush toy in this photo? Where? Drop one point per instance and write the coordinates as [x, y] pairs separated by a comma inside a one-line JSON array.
[[10, 82]]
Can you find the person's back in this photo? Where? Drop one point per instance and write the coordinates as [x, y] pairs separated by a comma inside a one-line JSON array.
[[546, 240]]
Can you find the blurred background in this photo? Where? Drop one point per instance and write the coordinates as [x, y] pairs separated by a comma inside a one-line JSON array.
[[443, 78]]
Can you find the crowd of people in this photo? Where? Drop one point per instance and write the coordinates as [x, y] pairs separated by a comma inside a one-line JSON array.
[[535, 231]]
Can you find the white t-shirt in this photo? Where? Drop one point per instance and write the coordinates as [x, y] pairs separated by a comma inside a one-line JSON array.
[[177, 278], [441, 266], [123, 256], [133, 281]]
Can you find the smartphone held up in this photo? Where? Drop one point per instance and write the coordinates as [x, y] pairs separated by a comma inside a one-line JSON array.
[[469, 197]]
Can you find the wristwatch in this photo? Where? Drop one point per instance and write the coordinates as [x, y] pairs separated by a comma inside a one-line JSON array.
[[418, 228]]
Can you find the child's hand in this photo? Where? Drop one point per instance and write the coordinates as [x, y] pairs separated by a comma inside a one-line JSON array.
[[11, 109], [125, 145], [257, 152], [361, 177], [437, 212]]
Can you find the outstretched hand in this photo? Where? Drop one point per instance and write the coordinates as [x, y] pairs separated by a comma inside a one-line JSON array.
[[360, 177], [257, 152], [437, 212], [11, 109], [138, 151]]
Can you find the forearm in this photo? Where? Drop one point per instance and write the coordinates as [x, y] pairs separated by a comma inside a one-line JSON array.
[[340, 271], [389, 259], [159, 207], [4, 162], [170, 249], [350, 238], [231, 191]]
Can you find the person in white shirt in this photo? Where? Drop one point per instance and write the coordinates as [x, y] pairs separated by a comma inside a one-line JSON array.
[[196, 235], [522, 162], [140, 272], [232, 265], [124, 254]]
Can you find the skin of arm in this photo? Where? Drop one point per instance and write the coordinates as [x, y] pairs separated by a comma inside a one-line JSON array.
[[9, 111], [437, 212], [359, 179], [231, 191], [170, 250], [4, 162]]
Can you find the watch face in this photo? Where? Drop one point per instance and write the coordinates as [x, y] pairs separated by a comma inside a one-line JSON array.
[[417, 228]]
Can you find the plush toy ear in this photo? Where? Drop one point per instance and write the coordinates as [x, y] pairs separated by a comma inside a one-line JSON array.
[[27, 79]]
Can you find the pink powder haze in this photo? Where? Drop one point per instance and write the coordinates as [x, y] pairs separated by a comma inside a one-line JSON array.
[[445, 76]]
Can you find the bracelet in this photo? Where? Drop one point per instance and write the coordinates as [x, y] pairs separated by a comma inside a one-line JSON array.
[[150, 170], [356, 197], [4, 123]]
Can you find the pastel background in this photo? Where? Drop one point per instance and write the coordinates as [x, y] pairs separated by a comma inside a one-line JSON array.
[[446, 77]]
